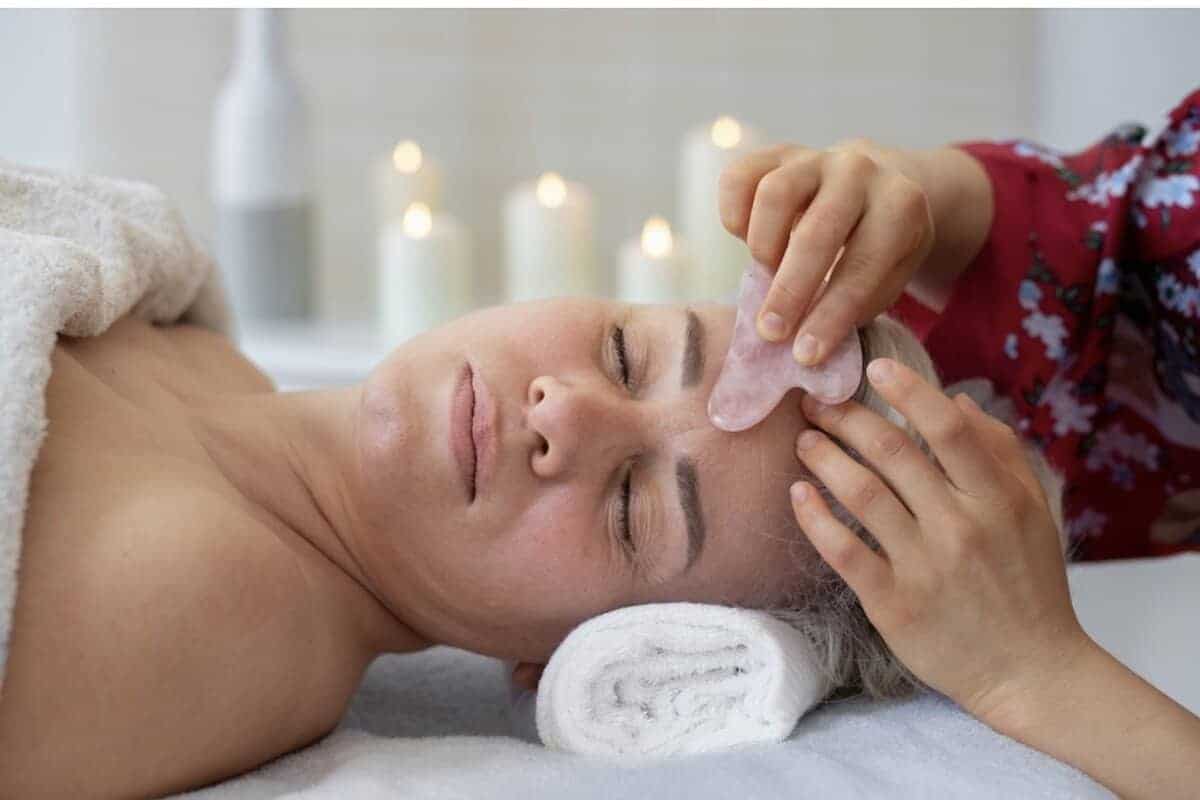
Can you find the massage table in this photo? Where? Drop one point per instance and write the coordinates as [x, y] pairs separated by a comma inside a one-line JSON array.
[[437, 724]]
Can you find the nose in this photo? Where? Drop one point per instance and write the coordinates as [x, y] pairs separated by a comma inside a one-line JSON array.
[[575, 425]]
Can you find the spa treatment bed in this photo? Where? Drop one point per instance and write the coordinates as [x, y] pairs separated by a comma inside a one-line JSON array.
[[437, 725]]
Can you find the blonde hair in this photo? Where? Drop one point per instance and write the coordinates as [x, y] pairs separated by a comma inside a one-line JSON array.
[[850, 650]]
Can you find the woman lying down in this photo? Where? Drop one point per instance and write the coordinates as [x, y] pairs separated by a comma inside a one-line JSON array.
[[207, 566], [210, 565]]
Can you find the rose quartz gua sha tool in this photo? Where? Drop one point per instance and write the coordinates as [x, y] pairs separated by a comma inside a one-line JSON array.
[[757, 373]]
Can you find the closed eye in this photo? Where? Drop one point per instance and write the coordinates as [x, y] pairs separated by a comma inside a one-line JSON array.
[[618, 342], [623, 524]]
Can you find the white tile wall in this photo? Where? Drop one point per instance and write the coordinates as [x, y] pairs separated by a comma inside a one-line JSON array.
[[499, 95], [1105, 67]]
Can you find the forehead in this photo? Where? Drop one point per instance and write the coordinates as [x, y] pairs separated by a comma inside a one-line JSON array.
[[743, 477]]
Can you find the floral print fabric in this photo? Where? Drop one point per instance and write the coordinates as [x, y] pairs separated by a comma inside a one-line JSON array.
[[1083, 307]]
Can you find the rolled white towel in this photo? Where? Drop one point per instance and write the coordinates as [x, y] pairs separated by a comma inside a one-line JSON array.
[[673, 678]]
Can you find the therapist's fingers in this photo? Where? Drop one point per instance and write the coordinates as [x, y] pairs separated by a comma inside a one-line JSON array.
[[861, 492], [1004, 443], [891, 241], [814, 242], [781, 196], [737, 184], [950, 433], [866, 572], [911, 473]]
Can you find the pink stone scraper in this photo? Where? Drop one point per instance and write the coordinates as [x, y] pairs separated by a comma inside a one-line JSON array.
[[757, 373]]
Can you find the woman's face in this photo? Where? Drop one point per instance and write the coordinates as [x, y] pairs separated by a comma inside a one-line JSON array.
[[596, 404]]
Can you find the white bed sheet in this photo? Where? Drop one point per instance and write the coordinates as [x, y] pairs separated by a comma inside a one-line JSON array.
[[435, 725]]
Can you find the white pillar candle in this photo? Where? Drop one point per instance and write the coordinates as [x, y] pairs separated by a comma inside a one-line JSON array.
[[719, 256], [549, 239], [405, 176], [655, 267], [424, 275]]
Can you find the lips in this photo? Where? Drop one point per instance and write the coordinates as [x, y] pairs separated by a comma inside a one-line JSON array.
[[485, 433], [473, 431], [462, 423]]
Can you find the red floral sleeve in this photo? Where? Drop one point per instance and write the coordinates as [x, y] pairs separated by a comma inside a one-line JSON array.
[[1083, 305]]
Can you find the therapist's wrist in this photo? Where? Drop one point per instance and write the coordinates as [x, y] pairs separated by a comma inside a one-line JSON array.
[[1098, 715], [961, 203], [1028, 705]]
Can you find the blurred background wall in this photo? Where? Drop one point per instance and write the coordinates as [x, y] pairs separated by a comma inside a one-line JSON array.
[[604, 97]]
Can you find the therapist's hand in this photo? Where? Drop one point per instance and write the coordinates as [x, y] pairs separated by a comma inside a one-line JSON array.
[[969, 589], [796, 208]]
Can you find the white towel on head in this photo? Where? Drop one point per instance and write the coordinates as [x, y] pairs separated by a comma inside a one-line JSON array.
[[672, 678]]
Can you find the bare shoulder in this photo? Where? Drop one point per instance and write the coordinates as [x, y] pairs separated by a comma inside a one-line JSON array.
[[217, 354], [185, 358], [165, 648]]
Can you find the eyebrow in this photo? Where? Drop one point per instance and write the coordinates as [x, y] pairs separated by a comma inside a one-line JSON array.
[[693, 351], [689, 501]]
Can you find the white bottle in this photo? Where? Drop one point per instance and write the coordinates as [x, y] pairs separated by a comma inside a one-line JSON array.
[[261, 179]]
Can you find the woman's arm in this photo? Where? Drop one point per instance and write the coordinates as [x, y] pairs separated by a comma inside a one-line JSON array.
[[1106, 720], [961, 201], [970, 590]]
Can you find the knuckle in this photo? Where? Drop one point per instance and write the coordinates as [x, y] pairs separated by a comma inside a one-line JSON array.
[[853, 162], [787, 292], [843, 555], [890, 444], [824, 226], [853, 265], [864, 494], [952, 427], [775, 189], [856, 292], [763, 251]]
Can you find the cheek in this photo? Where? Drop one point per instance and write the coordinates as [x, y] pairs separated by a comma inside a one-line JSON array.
[[555, 553]]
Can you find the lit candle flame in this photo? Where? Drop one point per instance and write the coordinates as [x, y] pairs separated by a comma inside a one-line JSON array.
[[551, 190], [726, 132], [417, 221], [406, 157], [656, 238]]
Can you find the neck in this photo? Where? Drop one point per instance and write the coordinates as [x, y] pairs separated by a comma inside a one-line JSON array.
[[292, 456]]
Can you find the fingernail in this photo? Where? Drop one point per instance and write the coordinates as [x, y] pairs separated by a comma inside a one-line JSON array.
[[771, 326], [880, 371], [807, 439], [799, 491], [806, 348]]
